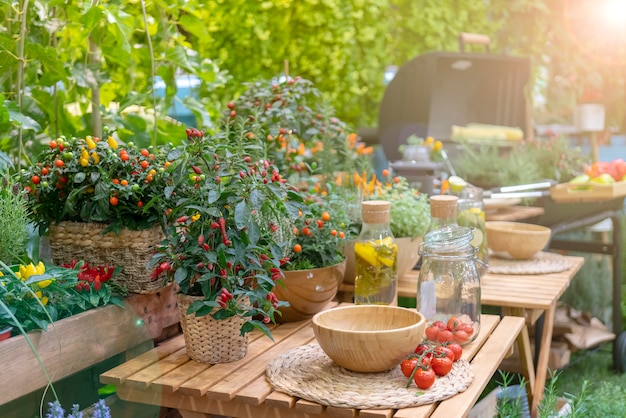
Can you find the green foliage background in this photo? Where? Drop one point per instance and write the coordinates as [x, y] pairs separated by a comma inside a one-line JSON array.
[[74, 48]]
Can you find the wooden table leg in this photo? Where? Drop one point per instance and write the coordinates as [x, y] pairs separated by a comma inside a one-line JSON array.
[[544, 355], [525, 353], [526, 361]]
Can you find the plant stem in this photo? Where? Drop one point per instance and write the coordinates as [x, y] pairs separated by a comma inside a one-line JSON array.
[[20, 76], [152, 69], [94, 58]]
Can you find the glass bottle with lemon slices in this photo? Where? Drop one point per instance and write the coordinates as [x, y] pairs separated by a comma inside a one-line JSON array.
[[376, 250], [471, 214]]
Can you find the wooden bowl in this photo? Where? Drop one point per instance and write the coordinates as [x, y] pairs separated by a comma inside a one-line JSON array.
[[520, 240], [308, 291], [368, 338]]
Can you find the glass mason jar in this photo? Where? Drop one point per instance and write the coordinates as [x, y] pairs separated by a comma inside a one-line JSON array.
[[375, 251], [448, 286], [471, 213]]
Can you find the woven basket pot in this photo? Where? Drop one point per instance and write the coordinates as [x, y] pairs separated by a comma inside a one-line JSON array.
[[308, 291], [130, 250], [209, 340]]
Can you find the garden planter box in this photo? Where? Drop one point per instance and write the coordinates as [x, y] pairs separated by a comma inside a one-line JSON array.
[[73, 344]]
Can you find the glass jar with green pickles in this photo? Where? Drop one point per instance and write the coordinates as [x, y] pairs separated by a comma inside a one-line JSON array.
[[376, 250], [470, 213]]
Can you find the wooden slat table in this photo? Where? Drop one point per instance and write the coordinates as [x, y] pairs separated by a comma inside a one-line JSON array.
[[527, 296], [165, 376]]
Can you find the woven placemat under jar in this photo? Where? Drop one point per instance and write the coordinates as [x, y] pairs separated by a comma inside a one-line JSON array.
[[540, 263], [307, 372]]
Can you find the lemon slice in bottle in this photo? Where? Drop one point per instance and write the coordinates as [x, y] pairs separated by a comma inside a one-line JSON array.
[[457, 184]]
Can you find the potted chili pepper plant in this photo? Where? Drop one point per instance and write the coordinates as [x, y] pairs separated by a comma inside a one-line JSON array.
[[102, 202], [226, 241]]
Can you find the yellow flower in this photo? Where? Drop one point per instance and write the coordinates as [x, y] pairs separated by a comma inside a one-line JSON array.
[[195, 217], [40, 269], [438, 145]]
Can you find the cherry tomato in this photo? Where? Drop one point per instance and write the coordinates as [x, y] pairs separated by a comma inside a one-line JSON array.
[[408, 365], [441, 351], [113, 201], [453, 323], [421, 348], [35, 179], [441, 365], [467, 328], [445, 335], [44, 171], [439, 324], [456, 349], [424, 378], [432, 333], [59, 163], [461, 337]]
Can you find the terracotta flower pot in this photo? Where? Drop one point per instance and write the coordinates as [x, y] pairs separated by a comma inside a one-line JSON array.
[[308, 291], [209, 340]]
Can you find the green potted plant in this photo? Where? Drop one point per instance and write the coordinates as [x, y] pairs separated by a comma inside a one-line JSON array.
[[303, 135], [316, 261], [101, 201], [226, 240]]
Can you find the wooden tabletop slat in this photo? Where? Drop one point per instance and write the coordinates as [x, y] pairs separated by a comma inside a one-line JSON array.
[[341, 412], [227, 386], [118, 375], [144, 378], [255, 392], [200, 384], [416, 412], [280, 400], [308, 407], [376, 413]]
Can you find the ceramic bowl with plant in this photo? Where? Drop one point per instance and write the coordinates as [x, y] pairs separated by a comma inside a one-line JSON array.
[[316, 264]]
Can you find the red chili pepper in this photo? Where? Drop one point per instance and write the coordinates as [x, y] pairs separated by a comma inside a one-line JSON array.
[[200, 240], [196, 169]]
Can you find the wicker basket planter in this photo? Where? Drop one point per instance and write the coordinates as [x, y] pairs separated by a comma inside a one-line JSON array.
[[209, 340], [130, 250]]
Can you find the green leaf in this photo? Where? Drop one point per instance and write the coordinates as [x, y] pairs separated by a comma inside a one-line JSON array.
[[256, 199], [242, 214], [79, 177], [254, 232]]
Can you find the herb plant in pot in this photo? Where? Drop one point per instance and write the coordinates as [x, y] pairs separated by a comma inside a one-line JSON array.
[[225, 243], [102, 202], [316, 264]]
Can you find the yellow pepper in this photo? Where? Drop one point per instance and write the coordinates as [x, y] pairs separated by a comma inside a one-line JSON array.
[[44, 300], [44, 283], [91, 144], [84, 162], [96, 157], [112, 142], [40, 268], [84, 154]]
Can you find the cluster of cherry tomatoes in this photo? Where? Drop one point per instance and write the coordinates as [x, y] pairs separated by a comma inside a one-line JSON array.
[[454, 331], [428, 362]]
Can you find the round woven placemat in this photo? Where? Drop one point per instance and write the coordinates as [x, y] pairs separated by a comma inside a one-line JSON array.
[[308, 373], [540, 263]]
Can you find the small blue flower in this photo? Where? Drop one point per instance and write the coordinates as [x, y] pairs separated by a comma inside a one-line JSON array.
[[55, 410], [101, 410]]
